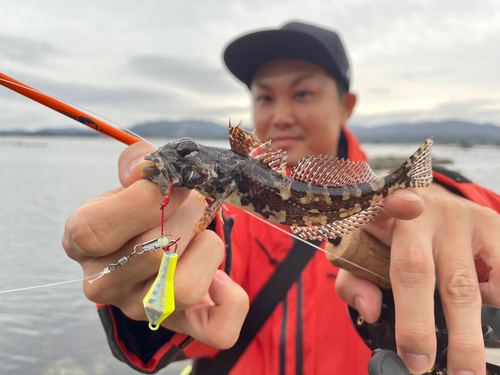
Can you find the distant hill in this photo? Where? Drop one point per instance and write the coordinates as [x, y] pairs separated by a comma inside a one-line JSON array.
[[443, 132], [166, 129], [465, 133], [189, 128]]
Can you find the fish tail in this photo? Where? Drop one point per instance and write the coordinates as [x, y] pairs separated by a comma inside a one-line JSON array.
[[418, 167]]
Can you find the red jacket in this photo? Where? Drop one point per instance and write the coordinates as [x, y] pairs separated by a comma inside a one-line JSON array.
[[310, 328]]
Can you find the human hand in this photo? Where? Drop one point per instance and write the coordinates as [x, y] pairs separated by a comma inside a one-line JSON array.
[[209, 306], [433, 234]]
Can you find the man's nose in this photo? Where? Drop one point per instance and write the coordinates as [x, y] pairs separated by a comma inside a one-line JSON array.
[[283, 114]]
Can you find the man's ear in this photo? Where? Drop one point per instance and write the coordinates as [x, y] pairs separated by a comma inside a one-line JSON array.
[[347, 106]]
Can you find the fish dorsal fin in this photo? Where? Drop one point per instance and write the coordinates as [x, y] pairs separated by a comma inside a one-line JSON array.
[[242, 140], [276, 160], [328, 171], [247, 143], [263, 148], [338, 228]]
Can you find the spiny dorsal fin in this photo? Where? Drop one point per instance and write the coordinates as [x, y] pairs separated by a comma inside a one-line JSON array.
[[338, 228], [249, 144], [242, 140], [276, 160], [328, 171]]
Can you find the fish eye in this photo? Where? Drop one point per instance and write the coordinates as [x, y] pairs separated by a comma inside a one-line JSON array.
[[187, 149]]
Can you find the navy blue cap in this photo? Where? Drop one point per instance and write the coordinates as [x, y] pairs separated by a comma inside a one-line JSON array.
[[245, 55]]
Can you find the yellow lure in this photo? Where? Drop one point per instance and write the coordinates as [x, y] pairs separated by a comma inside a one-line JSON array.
[[159, 301]]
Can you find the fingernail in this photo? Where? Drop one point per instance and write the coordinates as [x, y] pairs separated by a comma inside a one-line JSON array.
[[409, 195], [222, 276], [134, 164], [416, 363]]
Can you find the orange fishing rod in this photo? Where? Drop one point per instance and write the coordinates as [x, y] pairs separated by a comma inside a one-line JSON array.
[[68, 110]]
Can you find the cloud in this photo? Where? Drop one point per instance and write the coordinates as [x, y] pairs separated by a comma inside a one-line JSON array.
[[379, 90], [192, 74], [24, 50], [163, 59], [79, 93]]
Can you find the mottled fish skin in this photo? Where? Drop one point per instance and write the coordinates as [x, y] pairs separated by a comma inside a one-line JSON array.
[[248, 183], [284, 200]]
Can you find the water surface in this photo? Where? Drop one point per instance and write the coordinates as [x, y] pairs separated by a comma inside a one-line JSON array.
[[56, 330]]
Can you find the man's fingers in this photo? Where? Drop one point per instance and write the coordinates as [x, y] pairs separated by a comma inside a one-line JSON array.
[[413, 281], [459, 291], [218, 324], [404, 204], [359, 293], [101, 227], [196, 268], [486, 245], [131, 162]]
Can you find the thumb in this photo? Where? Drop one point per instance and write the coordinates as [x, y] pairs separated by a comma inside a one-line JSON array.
[[403, 204], [131, 162]]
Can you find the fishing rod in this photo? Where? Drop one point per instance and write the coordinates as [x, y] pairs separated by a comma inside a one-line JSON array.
[[129, 138], [380, 336], [69, 110]]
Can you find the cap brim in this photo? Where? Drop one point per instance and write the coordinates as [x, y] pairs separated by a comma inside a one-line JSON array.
[[246, 55]]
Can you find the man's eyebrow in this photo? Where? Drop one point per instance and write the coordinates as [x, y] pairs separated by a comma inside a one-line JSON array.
[[261, 85], [294, 83], [300, 78]]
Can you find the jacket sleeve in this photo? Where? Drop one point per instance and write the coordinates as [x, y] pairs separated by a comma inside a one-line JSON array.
[[149, 351], [460, 185], [144, 350]]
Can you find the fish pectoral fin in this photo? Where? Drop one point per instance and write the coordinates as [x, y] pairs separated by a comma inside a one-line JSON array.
[[329, 171], [337, 228], [210, 213]]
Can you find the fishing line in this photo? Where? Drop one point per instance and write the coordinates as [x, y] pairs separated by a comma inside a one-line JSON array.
[[75, 106], [319, 248], [81, 108], [45, 285], [100, 274]]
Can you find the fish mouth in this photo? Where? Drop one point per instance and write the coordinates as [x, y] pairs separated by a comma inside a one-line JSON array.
[[166, 169]]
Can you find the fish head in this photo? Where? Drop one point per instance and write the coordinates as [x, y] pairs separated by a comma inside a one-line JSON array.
[[184, 163]]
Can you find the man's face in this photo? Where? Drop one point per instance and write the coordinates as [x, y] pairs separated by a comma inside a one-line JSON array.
[[297, 107]]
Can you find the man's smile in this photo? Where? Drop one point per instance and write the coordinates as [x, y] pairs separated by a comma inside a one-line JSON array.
[[285, 142]]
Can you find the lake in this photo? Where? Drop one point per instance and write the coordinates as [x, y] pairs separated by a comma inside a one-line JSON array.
[[56, 330]]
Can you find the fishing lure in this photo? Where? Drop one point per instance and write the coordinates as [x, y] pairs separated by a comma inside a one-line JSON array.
[[159, 301], [321, 198], [315, 172]]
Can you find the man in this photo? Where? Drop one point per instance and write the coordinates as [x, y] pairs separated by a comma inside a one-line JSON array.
[[299, 79]]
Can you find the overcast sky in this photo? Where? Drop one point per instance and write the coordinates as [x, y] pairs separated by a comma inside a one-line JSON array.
[[148, 60]]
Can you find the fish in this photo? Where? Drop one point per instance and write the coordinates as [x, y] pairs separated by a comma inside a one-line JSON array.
[[322, 197]]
